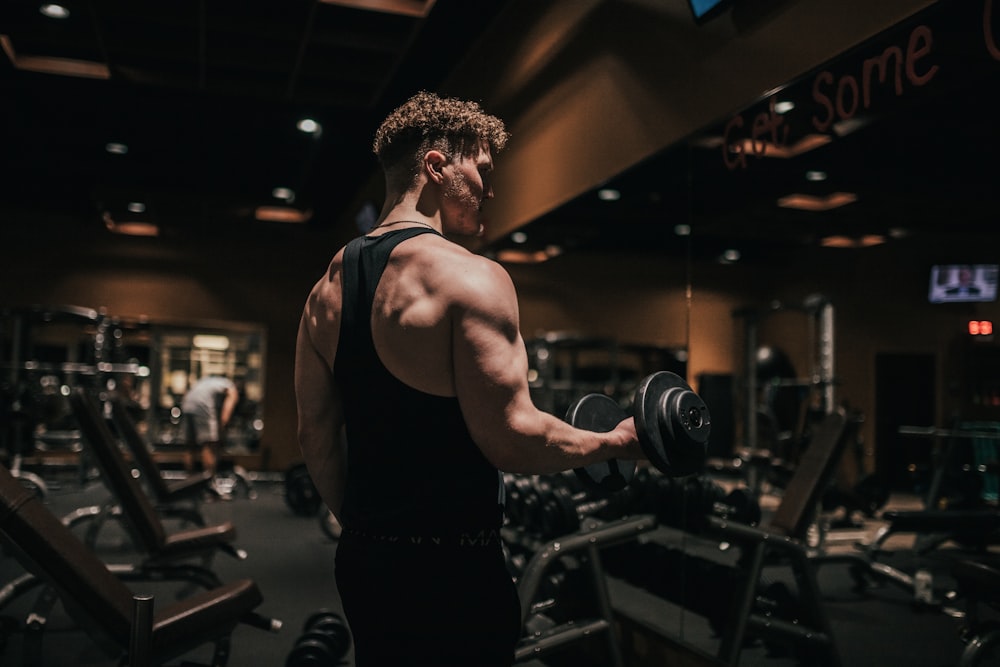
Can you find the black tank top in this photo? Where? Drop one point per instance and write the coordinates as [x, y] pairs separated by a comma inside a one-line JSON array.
[[413, 468]]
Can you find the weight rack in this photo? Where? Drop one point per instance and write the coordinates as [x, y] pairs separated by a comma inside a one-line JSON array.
[[588, 541]]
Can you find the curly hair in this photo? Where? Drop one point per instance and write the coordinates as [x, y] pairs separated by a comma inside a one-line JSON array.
[[427, 121]]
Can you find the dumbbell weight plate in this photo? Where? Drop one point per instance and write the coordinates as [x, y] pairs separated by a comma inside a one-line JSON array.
[[673, 424], [600, 413]]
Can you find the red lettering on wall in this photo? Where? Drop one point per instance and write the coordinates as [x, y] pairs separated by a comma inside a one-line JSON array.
[[764, 130], [921, 41], [733, 148], [887, 69]]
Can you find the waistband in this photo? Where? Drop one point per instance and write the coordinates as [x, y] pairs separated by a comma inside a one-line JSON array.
[[485, 537]]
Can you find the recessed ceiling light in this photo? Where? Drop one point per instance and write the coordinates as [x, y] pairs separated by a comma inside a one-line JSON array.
[[815, 175], [87, 69], [136, 207], [116, 148], [783, 107], [609, 194], [130, 227], [413, 8], [760, 148], [515, 256], [682, 230], [841, 241], [309, 126], [518, 237], [286, 194], [805, 202], [54, 11], [282, 214]]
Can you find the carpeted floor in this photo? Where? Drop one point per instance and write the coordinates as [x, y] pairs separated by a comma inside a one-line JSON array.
[[291, 559]]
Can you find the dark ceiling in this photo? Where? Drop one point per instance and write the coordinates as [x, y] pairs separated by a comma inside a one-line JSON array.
[[921, 159], [207, 94]]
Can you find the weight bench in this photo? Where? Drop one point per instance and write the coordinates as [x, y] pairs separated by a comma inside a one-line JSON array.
[[972, 529], [134, 506], [100, 603], [783, 540], [179, 498]]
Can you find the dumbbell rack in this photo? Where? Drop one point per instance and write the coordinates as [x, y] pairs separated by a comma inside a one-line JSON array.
[[588, 541]]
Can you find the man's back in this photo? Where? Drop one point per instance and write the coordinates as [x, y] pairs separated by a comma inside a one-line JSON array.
[[412, 314]]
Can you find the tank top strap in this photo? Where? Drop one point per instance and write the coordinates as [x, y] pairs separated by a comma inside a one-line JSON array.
[[365, 259]]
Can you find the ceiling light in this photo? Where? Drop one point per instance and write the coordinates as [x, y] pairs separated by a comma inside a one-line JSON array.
[[783, 107], [136, 207], [309, 126], [731, 255], [86, 69], [518, 237], [515, 256], [116, 148], [414, 8], [54, 11], [805, 202], [841, 241], [761, 148], [282, 214], [130, 227], [215, 342], [842, 128], [682, 230], [609, 194], [283, 193], [815, 175]]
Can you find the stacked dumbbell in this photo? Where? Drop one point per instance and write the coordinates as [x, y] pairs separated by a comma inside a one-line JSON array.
[[686, 503], [324, 642], [552, 506]]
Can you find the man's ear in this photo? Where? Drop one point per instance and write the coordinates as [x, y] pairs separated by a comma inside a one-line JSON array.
[[434, 162]]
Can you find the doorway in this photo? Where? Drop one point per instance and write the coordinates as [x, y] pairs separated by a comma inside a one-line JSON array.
[[905, 394]]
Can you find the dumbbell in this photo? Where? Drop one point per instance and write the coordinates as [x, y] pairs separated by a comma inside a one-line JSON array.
[[551, 508], [300, 492], [687, 503], [672, 422], [325, 641]]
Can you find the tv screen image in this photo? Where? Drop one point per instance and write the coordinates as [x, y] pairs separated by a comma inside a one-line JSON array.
[[963, 283], [703, 10]]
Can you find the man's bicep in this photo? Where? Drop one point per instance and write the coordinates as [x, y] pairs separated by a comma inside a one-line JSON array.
[[491, 365]]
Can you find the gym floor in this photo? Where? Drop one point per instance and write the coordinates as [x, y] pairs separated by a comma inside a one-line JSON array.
[[291, 559]]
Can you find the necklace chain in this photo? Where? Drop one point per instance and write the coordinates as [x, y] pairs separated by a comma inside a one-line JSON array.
[[399, 222]]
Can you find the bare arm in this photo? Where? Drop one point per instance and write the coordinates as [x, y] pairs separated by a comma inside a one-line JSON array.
[[491, 380], [229, 405], [321, 420]]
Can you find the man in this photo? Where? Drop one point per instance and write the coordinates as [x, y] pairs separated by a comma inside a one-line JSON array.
[[966, 283], [411, 382], [207, 408]]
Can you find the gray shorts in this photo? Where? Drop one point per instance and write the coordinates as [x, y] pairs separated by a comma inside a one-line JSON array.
[[201, 429]]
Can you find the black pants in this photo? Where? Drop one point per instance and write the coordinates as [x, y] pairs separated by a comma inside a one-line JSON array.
[[428, 604]]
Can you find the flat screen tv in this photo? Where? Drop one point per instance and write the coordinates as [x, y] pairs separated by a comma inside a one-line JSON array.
[[703, 10], [952, 283]]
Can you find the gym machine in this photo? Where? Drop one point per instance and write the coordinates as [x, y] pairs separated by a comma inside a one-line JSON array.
[[819, 313], [566, 365]]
